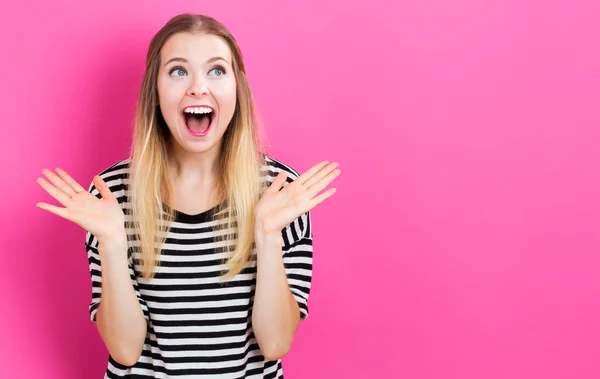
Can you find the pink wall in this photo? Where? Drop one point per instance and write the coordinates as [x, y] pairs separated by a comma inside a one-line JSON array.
[[464, 239]]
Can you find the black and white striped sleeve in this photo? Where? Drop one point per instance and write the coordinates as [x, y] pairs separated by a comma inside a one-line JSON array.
[[297, 258], [91, 244]]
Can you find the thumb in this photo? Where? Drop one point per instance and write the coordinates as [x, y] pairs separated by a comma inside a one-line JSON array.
[[102, 187], [277, 183]]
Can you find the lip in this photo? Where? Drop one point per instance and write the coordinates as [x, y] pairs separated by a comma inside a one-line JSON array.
[[212, 119]]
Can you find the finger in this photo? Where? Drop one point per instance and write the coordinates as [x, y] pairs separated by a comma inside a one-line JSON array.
[[62, 212], [102, 187], [321, 174], [321, 198], [313, 170], [70, 181], [277, 183], [59, 183], [321, 184], [60, 196]]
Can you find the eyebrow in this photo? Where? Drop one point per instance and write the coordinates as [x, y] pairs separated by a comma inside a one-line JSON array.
[[213, 59]]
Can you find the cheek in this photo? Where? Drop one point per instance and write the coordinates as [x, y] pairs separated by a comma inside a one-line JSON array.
[[229, 86], [226, 94], [169, 94]]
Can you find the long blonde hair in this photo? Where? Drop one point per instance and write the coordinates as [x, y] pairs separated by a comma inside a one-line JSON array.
[[239, 166]]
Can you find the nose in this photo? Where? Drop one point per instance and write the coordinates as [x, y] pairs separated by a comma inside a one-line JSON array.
[[198, 87]]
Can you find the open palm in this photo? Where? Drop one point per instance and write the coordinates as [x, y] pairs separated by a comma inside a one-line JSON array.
[[278, 207], [103, 218]]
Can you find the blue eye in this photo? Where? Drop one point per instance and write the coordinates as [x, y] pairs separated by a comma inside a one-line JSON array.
[[219, 71], [178, 71]]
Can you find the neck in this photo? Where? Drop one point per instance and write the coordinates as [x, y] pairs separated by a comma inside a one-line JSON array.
[[194, 168]]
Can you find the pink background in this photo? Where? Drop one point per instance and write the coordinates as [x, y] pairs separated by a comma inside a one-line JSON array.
[[464, 239]]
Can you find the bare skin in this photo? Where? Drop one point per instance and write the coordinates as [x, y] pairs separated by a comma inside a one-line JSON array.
[[120, 320]]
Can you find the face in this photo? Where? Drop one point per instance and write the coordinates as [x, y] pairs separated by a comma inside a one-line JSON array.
[[196, 90]]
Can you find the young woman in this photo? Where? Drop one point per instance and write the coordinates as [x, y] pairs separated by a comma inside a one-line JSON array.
[[199, 244]]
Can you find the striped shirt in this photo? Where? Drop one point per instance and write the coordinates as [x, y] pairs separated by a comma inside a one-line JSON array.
[[198, 324]]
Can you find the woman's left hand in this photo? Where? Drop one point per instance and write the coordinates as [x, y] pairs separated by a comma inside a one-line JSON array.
[[277, 209]]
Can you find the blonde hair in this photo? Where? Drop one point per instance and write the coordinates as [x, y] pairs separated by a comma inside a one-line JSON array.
[[241, 156]]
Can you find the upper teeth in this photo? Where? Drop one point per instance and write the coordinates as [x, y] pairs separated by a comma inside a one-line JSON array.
[[197, 110]]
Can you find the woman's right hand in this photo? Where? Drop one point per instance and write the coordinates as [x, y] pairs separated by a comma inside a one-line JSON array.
[[103, 218]]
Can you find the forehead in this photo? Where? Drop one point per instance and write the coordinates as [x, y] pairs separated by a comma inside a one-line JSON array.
[[194, 47]]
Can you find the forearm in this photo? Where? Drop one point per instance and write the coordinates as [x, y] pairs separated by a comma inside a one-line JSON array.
[[120, 318], [275, 314]]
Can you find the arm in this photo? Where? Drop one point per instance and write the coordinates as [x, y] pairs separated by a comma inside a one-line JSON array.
[[276, 315], [120, 321], [119, 317], [284, 264]]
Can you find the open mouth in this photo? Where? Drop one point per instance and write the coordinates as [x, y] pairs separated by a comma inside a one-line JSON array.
[[198, 119]]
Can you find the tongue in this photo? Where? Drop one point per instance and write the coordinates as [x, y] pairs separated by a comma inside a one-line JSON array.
[[198, 124]]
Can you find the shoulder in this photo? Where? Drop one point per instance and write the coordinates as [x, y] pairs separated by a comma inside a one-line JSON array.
[[273, 167], [301, 227], [116, 176]]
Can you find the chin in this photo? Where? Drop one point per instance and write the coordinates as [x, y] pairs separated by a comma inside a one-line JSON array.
[[198, 145]]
